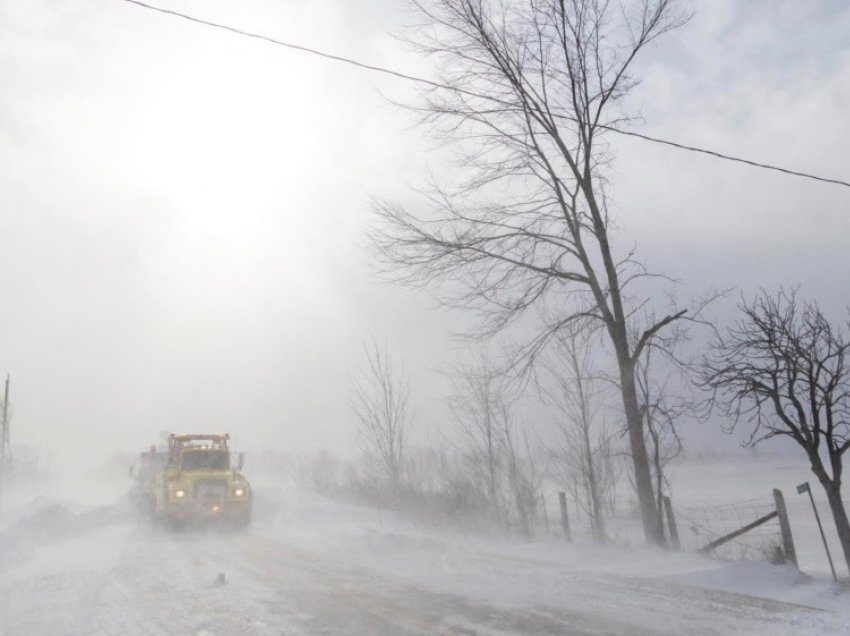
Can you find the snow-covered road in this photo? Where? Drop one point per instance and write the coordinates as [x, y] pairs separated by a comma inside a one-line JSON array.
[[309, 566]]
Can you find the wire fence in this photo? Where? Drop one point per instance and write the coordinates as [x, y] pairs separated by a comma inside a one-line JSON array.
[[705, 528], [747, 530]]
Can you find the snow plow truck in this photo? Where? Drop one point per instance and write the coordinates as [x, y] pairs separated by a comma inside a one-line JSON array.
[[194, 482]]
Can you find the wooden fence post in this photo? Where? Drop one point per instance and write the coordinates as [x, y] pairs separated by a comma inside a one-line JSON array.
[[785, 528], [565, 519], [545, 513], [671, 524]]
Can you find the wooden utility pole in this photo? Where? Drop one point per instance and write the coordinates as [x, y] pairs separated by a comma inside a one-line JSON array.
[[5, 447], [5, 450]]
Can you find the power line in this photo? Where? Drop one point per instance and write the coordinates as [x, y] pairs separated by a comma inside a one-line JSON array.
[[720, 155], [433, 84], [289, 45]]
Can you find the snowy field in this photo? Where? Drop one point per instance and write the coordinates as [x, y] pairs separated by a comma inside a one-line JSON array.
[[86, 564]]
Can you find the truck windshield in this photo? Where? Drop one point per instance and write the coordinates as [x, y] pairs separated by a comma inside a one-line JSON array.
[[206, 460]]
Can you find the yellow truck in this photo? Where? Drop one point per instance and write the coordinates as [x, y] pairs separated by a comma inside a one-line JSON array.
[[196, 482]]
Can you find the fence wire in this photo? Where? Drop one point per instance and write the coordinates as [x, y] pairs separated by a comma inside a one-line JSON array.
[[699, 527]]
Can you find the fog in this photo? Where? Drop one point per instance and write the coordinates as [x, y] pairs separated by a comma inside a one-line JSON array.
[[184, 247], [184, 210], [181, 226]]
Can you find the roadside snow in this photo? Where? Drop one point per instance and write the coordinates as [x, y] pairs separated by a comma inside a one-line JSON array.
[[779, 582], [617, 582], [311, 565]]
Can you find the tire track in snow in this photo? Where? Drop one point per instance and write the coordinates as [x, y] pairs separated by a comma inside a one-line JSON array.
[[573, 601], [341, 597], [163, 583], [169, 581]]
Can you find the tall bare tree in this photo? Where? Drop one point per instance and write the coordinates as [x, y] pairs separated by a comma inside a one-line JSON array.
[[784, 367], [481, 411], [662, 412], [379, 401], [523, 474], [529, 90], [587, 450]]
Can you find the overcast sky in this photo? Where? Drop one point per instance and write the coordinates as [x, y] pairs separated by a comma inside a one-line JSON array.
[[182, 210]]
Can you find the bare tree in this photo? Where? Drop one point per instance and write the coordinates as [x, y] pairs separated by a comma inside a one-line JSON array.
[[461, 488], [499, 450], [528, 91], [587, 451], [783, 367], [661, 412], [481, 412], [523, 475], [380, 404]]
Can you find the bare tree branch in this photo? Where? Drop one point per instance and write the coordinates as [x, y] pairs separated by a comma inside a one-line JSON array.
[[379, 402], [528, 94], [783, 367]]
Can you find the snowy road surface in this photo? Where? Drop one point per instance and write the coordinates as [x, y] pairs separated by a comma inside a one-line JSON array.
[[308, 567]]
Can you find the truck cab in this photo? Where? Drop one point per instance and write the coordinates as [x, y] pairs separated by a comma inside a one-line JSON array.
[[200, 483]]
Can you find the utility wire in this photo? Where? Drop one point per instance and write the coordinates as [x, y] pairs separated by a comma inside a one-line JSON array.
[[720, 155], [433, 84], [290, 45]]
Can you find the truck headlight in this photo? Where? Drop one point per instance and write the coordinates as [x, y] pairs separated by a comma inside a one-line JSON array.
[[239, 492], [180, 494]]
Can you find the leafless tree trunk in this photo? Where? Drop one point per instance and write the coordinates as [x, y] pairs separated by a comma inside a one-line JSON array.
[[501, 455], [783, 367], [529, 90], [660, 414], [523, 476], [480, 411], [380, 404], [586, 452]]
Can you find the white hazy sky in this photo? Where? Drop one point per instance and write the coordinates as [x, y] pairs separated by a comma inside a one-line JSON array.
[[182, 210]]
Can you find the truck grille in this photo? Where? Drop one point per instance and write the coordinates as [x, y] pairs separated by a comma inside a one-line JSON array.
[[210, 490]]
